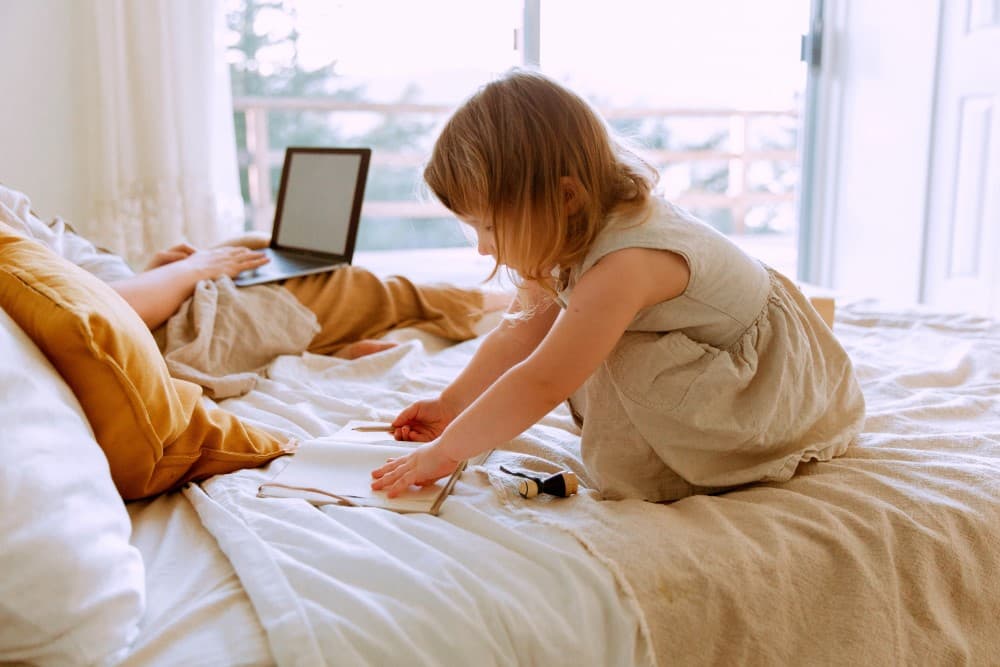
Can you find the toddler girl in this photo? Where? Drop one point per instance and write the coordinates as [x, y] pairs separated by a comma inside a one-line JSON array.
[[690, 366]]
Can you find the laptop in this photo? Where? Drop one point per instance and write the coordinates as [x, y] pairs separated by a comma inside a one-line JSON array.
[[317, 214]]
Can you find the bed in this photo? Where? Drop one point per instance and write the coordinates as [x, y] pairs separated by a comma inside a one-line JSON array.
[[887, 555]]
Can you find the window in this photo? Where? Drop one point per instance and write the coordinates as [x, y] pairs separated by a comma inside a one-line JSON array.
[[376, 73], [710, 90]]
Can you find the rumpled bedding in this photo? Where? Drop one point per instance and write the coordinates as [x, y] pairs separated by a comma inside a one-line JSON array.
[[361, 586], [886, 555], [219, 339]]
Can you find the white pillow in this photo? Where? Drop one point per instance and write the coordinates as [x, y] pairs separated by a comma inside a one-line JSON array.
[[73, 589]]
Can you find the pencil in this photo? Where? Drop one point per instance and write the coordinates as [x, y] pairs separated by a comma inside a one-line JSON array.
[[374, 429]]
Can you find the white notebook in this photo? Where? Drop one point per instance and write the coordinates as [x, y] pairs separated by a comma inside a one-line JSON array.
[[337, 469]]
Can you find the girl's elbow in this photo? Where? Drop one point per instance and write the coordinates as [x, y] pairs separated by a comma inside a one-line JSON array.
[[548, 388]]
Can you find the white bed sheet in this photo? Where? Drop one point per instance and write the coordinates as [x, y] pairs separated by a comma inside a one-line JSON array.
[[197, 612], [294, 584], [369, 587]]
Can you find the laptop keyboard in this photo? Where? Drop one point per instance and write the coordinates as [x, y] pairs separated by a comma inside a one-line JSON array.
[[290, 263], [284, 264]]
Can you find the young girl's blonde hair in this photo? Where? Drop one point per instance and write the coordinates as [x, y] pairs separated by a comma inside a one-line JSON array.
[[535, 161]]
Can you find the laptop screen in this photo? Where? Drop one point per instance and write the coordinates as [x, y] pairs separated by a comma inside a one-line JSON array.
[[319, 202]]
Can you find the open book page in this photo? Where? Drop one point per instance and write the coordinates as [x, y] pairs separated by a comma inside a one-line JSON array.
[[331, 470]]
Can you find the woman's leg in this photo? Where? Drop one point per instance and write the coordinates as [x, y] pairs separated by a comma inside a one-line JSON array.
[[353, 304]]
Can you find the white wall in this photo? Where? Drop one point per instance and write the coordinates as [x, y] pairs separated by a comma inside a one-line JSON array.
[[873, 141], [43, 150]]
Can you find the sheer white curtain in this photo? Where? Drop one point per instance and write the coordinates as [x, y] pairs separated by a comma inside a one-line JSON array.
[[164, 154]]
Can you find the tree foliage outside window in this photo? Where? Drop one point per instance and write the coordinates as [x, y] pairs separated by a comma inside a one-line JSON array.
[[265, 62]]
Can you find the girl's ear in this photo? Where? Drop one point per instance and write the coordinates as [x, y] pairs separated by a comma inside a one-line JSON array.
[[573, 194]]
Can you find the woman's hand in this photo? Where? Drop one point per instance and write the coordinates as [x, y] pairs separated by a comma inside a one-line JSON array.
[[425, 465], [171, 255], [424, 420], [224, 261], [157, 293]]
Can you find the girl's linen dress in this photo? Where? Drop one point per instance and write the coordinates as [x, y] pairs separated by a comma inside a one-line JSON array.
[[736, 380]]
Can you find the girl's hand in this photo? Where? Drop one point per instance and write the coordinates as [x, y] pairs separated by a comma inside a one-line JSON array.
[[424, 420], [225, 261], [425, 465], [171, 255]]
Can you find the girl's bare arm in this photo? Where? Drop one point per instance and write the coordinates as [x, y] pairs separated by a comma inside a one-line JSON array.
[[603, 304], [507, 345]]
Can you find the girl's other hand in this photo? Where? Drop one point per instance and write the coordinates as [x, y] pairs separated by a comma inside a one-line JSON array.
[[424, 420], [425, 465], [224, 261], [171, 255]]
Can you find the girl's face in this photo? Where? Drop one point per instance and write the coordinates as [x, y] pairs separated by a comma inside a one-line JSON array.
[[485, 240]]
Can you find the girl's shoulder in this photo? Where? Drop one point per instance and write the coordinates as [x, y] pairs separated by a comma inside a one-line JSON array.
[[713, 260], [658, 225]]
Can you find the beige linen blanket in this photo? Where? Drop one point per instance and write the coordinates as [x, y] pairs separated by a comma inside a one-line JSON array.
[[889, 554], [223, 336]]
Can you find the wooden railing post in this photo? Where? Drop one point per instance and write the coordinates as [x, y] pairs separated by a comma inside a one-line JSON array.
[[259, 169], [737, 186]]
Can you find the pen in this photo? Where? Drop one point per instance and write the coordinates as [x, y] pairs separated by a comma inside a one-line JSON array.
[[374, 429]]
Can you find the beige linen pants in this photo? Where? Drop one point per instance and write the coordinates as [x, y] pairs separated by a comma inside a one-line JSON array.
[[352, 303]]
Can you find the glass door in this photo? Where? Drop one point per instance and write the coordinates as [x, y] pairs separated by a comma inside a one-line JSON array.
[[712, 90]]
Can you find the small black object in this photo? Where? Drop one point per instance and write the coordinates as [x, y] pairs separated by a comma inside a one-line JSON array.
[[563, 483]]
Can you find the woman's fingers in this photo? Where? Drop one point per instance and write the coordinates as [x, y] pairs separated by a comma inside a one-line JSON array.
[[257, 259], [244, 259], [166, 257], [170, 256], [184, 249], [247, 255]]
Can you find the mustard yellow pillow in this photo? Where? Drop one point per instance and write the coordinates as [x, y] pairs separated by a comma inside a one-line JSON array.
[[155, 430]]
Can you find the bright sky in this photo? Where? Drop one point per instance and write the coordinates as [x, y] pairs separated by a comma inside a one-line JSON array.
[[662, 52], [678, 52]]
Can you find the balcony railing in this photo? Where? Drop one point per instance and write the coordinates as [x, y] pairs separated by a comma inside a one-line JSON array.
[[260, 157]]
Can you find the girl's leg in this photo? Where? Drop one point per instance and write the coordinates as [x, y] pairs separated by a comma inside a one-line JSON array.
[[353, 304]]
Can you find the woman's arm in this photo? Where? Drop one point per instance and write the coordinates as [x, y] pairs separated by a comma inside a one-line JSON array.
[[157, 293]]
